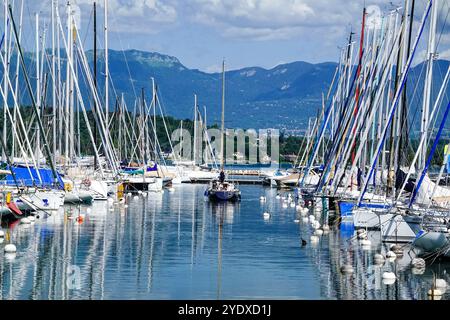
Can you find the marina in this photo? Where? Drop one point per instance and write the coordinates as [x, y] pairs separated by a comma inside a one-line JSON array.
[[125, 175], [164, 247]]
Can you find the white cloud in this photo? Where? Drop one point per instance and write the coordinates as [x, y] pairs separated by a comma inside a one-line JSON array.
[[137, 16], [282, 19]]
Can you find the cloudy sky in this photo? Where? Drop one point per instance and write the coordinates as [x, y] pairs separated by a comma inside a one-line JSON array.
[[246, 32]]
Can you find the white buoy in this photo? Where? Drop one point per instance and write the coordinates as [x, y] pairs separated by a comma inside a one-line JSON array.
[[144, 195], [88, 210], [318, 232], [388, 282], [285, 205], [326, 227], [266, 216], [347, 268], [292, 205], [2, 233], [9, 248], [378, 258], [262, 198], [418, 263], [171, 189], [136, 197], [397, 249], [129, 194], [2, 240], [125, 206], [139, 191], [441, 283], [305, 219], [25, 221], [299, 208], [312, 218], [316, 225], [305, 210], [389, 275], [391, 255], [314, 239], [417, 271], [296, 221], [278, 197]]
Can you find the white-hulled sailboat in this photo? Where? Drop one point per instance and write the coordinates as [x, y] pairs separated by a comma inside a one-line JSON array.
[[219, 189]]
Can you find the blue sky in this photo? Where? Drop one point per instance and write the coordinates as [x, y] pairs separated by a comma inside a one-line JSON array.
[[245, 32]]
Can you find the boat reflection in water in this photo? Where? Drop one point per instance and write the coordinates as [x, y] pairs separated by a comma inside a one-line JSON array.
[[222, 214], [174, 245]]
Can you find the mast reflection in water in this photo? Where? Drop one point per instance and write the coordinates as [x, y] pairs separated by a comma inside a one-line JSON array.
[[181, 246]]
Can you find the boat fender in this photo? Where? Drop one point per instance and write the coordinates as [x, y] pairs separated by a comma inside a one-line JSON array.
[[10, 248], [391, 254], [347, 269], [389, 275]]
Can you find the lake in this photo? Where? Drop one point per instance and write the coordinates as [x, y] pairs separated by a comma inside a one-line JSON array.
[[178, 245]]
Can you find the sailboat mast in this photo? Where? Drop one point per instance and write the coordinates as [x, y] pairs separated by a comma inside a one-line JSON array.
[[205, 136], [53, 84], [106, 70], [181, 140], [222, 132], [95, 76], [195, 129], [16, 85], [403, 115], [428, 81], [5, 81], [67, 97], [154, 116], [38, 88]]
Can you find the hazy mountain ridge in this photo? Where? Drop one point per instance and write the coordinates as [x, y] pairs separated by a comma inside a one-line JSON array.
[[282, 97]]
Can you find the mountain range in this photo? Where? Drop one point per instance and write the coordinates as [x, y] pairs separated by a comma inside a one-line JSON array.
[[284, 97]]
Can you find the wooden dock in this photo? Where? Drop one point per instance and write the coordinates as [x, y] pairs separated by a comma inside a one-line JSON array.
[[240, 179]]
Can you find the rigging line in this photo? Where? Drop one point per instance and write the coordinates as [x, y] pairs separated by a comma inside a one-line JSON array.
[[162, 105], [117, 34], [91, 15], [396, 100], [425, 169], [22, 62], [443, 27]]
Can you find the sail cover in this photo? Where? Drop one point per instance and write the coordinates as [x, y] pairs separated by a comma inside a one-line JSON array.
[[28, 177]]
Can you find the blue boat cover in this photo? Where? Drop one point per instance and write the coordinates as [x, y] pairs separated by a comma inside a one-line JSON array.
[[24, 179]]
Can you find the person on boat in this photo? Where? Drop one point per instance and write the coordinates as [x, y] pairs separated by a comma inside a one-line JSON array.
[[222, 177]]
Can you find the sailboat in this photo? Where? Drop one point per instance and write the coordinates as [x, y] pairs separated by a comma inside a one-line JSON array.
[[220, 189]]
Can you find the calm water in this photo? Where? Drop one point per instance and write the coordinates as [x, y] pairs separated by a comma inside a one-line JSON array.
[[179, 246]]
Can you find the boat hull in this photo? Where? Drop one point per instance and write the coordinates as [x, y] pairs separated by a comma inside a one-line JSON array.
[[224, 195]]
